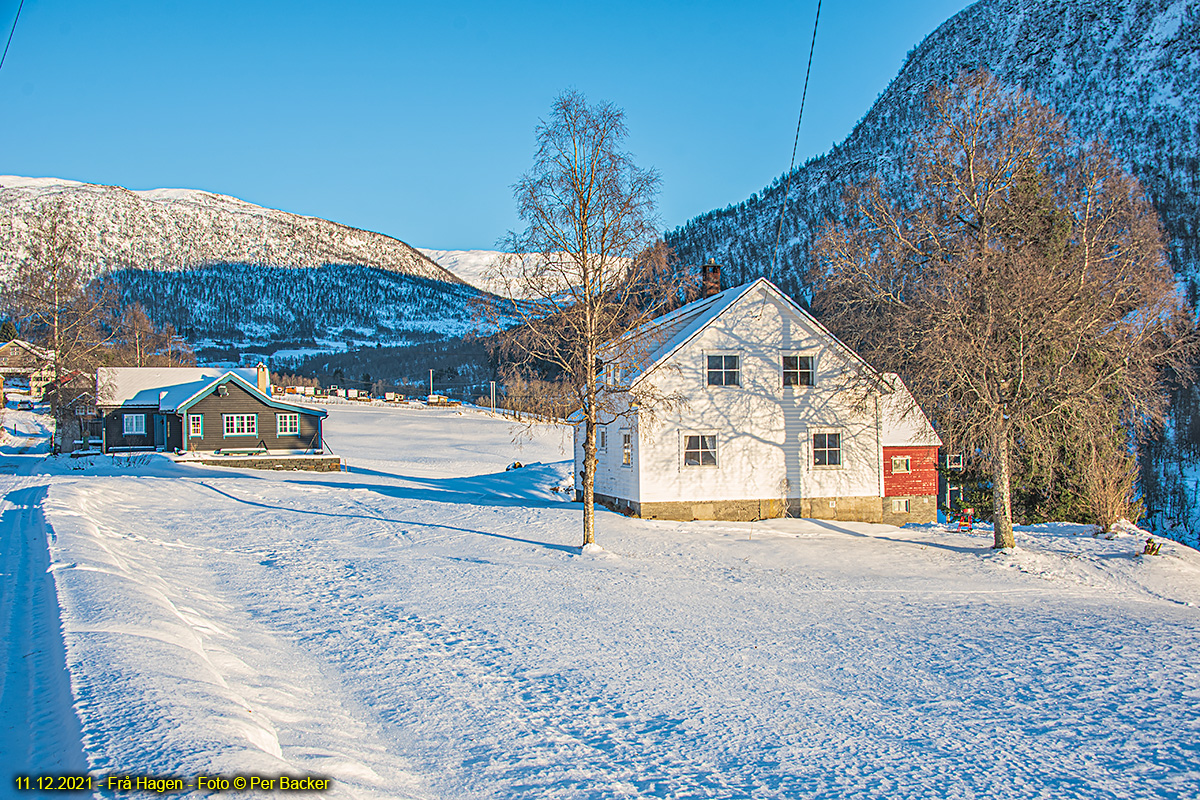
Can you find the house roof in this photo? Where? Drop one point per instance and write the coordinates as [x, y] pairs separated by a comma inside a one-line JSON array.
[[676, 329], [143, 386], [18, 353], [233, 376], [175, 389], [904, 423]]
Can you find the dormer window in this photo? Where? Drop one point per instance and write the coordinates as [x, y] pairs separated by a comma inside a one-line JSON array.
[[724, 370]]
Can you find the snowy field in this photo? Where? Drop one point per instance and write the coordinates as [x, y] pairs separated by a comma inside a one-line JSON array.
[[423, 626]]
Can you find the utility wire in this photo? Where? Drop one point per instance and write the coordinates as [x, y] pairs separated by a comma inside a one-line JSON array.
[[788, 181], [11, 32]]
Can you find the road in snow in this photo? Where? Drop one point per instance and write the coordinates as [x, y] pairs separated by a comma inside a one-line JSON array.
[[423, 626], [38, 731]]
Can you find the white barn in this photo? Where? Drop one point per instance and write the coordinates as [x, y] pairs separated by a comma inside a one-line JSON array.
[[779, 417]]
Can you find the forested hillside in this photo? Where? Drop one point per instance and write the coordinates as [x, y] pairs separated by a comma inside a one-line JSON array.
[[225, 308], [1125, 71]]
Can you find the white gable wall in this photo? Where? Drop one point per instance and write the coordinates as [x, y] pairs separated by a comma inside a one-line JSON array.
[[763, 429]]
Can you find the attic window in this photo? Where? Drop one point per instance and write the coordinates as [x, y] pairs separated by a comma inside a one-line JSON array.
[[901, 464], [724, 370], [798, 371]]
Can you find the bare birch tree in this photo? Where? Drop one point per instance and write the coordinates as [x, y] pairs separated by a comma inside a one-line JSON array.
[[589, 268], [1020, 284], [53, 292], [141, 343]]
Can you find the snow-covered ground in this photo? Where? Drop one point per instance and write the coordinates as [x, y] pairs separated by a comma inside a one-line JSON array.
[[423, 626]]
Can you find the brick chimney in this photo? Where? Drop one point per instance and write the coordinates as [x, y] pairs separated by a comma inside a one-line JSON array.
[[710, 275], [264, 379]]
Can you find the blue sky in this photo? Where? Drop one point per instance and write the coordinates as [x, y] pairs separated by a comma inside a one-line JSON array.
[[415, 119]]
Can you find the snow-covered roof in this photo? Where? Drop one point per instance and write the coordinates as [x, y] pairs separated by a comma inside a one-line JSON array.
[[40, 353], [233, 376], [672, 331], [162, 387], [904, 423]]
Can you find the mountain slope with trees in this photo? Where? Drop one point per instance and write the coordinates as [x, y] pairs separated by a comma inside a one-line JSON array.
[[230, 275], [1127, 73]]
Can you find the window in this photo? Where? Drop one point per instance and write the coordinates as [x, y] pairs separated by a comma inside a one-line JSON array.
[[901, 464], [626, 448], [954, 461], [287, 424], [900, 506], [798, 371], [827, 449], [134, 424], [724, 371], [601, 437], [195, 426], [700, 450], [241, 424]]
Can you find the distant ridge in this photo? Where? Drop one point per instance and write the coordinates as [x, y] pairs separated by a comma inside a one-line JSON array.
[[233, 277], [184, 228]]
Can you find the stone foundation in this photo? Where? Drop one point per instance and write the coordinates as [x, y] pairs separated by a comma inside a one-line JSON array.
[[306, 463], [921, 509], [842, 509]]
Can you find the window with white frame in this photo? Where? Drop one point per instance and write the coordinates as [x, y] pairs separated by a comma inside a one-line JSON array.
[[195, 426], [827, 449], [626, 447], [287, 424], [133, 424], [900, 506], [954, 461], [700, 450], [240, 424], [724, 370], [901, 464], [798, 371]]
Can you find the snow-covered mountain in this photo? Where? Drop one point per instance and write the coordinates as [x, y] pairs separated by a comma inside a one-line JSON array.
[[1125, 71], [232, 276], [475, 267], [183, 228]]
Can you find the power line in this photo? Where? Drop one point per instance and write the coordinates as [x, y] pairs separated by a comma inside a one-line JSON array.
[[788, 181], [11, 32]]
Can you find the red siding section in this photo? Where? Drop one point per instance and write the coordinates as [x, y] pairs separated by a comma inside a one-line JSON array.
[[923, 480]]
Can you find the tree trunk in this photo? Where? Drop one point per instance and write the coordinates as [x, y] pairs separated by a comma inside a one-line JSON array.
[[1002, 522], [589, 482]]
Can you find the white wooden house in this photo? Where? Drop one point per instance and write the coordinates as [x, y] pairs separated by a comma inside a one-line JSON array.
[[779, 417]]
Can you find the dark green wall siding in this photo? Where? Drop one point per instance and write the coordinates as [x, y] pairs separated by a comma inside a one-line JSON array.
[[172, 435], [114, 427], [239, 401]]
